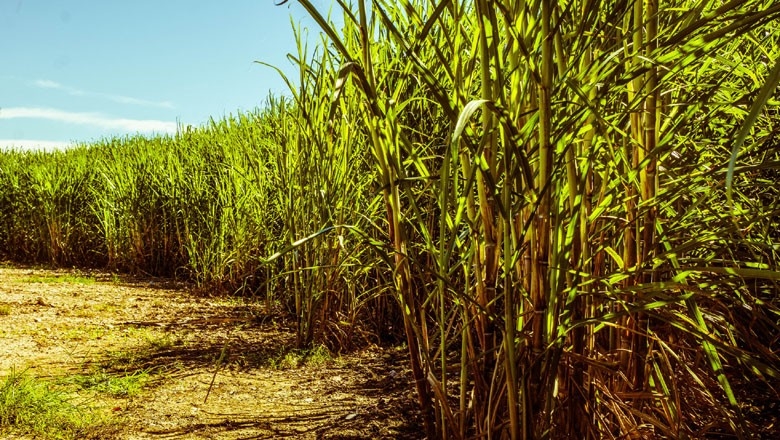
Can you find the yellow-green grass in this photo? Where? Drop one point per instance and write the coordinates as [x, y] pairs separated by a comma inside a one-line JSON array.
[[30, 406], [112, 384]]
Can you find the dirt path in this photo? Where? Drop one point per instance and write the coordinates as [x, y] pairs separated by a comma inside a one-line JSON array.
[[63, 324]]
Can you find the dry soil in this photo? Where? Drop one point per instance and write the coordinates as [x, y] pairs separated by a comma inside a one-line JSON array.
[[57, 324]]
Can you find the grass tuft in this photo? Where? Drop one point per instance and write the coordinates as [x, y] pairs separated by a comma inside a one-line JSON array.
[[126, 385], [32, 406], [290, 359]]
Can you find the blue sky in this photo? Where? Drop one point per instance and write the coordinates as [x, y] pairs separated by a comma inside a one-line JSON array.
[[82, 70]]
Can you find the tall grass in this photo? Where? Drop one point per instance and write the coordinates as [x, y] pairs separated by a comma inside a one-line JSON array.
[[534, 195], [204, 205], [561, 244], [208, 204], [45, 199]]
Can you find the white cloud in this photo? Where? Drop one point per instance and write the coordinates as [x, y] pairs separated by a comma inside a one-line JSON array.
[[135, 101], [32, 144], [46, 84], [120, 99], [93, 119]]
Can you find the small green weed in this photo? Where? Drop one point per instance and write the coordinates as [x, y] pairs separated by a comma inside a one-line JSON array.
[[296, 358], [106, 383], [85, 333], [5, 310], [162, 341]]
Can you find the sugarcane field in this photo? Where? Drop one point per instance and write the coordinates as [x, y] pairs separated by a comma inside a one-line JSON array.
[[461, 219]]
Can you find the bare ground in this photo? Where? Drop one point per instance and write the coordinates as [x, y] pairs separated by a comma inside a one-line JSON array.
[[56, 324]]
